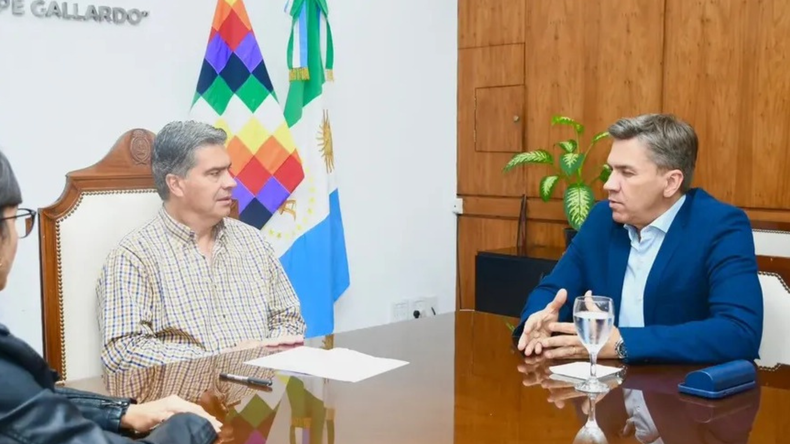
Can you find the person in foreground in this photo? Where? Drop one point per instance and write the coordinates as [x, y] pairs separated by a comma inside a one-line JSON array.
[[33, 410], [678, 264], [193, 281]]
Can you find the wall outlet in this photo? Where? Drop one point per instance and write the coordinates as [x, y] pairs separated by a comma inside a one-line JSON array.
[[400, 311], [423, 307], [458, 205], [416, 308], [433, 306]]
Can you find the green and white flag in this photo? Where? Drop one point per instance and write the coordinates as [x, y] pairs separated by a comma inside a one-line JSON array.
[[307, 231]]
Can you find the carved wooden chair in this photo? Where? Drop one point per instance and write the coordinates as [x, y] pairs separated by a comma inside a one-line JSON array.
[[100, 205], [772, 245]]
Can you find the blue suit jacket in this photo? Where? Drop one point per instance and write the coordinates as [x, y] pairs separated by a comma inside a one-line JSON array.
[[702, 303]]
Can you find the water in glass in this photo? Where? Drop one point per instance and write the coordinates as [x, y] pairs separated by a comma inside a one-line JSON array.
[[593, 328], [593, 317]]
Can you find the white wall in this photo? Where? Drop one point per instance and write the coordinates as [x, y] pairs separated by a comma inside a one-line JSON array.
[[69, 89]]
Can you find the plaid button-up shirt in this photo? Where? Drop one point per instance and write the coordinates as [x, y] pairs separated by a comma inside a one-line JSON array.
[[160, 300]]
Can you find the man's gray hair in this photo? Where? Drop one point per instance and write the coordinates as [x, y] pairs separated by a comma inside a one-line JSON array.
[[174, 150], [672, 143]]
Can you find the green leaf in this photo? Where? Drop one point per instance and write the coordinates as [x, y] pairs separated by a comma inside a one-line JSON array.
[[569, 146], [578, 202], [606, 171], [570, 163], [598, 137], [537, 156], [562, 120], [547, 185]]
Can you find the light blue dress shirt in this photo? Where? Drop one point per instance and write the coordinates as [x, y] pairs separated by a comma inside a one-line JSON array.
[[640, 261], [632, 314], [639, 418]]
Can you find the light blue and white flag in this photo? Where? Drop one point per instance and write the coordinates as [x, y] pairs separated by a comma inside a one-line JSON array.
[[307, 231]]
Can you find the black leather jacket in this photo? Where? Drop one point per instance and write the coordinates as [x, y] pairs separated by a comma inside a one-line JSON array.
[[34, 411]]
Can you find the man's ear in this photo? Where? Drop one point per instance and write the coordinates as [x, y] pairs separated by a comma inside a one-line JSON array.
[[674, 182], [175, 184]]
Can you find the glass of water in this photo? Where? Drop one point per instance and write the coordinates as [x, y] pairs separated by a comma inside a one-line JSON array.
[[593, 317]]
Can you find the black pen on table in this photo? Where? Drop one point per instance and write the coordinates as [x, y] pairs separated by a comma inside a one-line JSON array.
[[246, 379]]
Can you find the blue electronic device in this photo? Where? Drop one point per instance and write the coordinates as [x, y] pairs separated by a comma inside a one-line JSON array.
[[720, 381]]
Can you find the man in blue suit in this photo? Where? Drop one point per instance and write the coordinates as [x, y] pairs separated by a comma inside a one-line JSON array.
[[679, 265]]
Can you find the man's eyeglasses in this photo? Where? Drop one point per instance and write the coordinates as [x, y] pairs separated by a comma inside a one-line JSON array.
[[23, 220]]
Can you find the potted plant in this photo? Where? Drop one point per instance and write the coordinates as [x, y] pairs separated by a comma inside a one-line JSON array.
[[578, 198]]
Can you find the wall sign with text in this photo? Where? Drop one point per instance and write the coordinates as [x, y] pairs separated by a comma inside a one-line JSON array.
[[72, 11]]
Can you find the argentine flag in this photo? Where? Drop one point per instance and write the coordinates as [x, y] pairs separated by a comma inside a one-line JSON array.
[[307, 230]]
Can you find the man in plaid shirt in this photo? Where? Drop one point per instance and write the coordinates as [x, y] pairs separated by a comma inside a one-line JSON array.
[[193, 282]]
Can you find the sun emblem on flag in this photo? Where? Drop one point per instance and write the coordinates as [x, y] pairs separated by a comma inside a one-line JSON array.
[[325, 142]]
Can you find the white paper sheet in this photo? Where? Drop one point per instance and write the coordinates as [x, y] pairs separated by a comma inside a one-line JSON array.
[[340, 364], [581, 370]]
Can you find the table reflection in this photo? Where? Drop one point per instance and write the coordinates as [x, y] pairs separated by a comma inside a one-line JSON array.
[[644, 406], [247, 412], [465, 384]]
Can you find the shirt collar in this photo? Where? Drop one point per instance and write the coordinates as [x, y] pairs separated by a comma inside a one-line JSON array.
[[183, 232], [664, 221]]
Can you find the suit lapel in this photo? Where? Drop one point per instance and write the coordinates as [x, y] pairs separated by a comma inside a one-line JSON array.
[[677, 232], [619, 249]]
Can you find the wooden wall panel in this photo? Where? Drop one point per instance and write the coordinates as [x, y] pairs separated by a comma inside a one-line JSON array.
[[725, 73], [503, 207], [490, 22], [487, 72], [480, 172], [499, 127], [591, 60], [762, 215], [595, 61], [542, 233], [719, 64]]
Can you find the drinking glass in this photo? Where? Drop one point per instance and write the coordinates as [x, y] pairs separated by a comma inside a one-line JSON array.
[[593, 317]]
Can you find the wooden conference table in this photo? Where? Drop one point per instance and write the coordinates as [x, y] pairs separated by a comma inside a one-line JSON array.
[[464, 384]]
